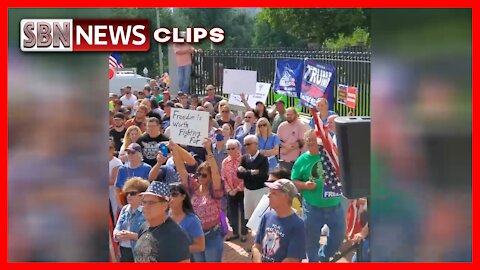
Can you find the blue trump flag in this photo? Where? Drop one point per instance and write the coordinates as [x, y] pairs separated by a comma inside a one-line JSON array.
[[288, 77], [317, 82]]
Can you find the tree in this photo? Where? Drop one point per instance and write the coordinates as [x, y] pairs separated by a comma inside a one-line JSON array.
[[147, 59], [314, 25], [267, 36], [237, 24]]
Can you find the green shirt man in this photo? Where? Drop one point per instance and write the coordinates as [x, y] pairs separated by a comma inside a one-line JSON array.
[[309, 167]]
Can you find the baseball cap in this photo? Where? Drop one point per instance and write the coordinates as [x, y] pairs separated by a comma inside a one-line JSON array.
[[158, 189], [119, 115], [284, 185], [180, 94], [134, 147]]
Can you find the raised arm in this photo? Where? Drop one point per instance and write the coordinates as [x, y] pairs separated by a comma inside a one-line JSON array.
[[156, 168], [179, 161], [216, 180]]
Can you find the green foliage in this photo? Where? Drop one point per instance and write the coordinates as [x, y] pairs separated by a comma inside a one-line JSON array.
[[359, 37], [316, 25]]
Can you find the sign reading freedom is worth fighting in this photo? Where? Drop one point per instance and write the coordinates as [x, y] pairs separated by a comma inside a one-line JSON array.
[[188, 127]]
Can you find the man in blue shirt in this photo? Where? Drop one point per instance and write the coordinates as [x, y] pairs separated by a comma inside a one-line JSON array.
[[281, 234], [248, 128]]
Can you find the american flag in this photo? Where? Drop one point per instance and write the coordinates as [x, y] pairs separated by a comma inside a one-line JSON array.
[[324, 135], [329, 157], [115, 60]]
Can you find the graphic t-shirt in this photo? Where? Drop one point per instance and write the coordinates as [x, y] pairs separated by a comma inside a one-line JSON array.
[[310, 167], [164, 243], [281, 238], [150, 147], [117, 137]]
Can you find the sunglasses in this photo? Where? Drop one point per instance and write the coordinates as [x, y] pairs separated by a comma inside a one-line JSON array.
[[225, 111], [131, 193], [131, 152], [204, 175], [262, 125]]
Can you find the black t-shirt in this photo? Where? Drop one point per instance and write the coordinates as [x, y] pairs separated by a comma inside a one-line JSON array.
[[117, 137], [164, 243], [150, 147]]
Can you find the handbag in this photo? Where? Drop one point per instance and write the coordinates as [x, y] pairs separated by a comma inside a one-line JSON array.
[[223, 223]]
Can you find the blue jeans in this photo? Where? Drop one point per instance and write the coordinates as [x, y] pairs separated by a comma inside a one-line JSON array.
[[314, 219], [213, 248], [184, 73]]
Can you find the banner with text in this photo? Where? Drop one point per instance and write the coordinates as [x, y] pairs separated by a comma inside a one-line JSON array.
[[317, 82], [288, 77], [188, 127]]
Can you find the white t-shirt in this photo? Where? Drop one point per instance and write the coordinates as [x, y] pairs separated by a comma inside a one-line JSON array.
[[128, 102], [159, 111], [113, 163]]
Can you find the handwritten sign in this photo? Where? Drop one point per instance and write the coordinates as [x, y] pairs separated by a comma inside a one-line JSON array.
[[260, 95], [188, 127], [237, 81]]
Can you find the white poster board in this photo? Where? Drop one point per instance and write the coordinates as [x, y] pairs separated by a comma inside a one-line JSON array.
[[262, 208], [261, 94], [188, 127], [237, 81]]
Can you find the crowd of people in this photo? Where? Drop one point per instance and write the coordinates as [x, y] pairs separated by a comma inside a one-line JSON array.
[[172, 203]]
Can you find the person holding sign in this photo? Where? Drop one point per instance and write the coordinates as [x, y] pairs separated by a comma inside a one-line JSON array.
[[206, 192], [321, 201], [268, 142], [281, 235], [254, 172]]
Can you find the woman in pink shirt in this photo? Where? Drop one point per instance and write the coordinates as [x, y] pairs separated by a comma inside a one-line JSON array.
[[205, 190], [234, 188]]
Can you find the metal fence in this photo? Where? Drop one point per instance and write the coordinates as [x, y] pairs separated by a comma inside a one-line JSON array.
[[352, 68]]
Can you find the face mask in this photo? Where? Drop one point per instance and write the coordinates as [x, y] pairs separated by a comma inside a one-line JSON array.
[[219, 137]]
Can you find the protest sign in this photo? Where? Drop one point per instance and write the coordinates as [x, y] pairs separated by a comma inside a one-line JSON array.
[[351, 100], [342, 93], [188, 127], [317, 82], [261, 94], [236, 81], [258, 213], [288, 77]]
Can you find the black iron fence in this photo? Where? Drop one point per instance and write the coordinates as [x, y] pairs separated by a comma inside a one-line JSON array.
[[352, 67]]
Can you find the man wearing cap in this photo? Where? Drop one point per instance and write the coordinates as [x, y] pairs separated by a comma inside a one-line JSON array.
[[160, 239], [281, 115], [281, 234], [117, 132], [135, 167], [211, 97], [183, 99], [128, 99]]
